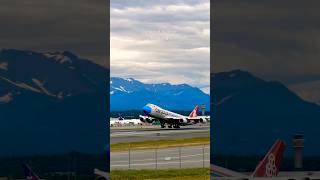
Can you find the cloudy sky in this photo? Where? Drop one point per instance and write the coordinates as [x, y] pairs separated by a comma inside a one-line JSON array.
[[79, 26], [275, 40], [161, 41]]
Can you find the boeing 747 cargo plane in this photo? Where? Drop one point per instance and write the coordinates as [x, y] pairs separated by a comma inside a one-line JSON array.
[[175, 120]]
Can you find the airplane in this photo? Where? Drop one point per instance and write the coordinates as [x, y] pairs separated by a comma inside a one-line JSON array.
[[156, 113], [30, 175], [115, 121], [103, 175], [122, 121], [268, 167], [132, 121]]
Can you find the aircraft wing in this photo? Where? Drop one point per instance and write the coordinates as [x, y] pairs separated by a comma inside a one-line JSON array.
[[172, 118], [268, 167], [224, 172], [146, 119], [103, 174], [185, 119], [181, 120]]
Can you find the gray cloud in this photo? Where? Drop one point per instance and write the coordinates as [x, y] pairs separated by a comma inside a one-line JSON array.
[[79, 26], [161, 41], [276, 40]]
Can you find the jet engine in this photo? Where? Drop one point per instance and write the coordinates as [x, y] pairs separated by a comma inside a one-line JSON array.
[[184, 120], [146, 119]]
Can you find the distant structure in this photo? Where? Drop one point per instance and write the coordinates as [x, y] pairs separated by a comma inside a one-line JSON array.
[[203, 109], [298, 145]]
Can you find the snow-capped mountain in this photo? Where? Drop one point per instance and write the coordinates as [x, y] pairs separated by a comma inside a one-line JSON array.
[[51, 103], [128, 94], [257, 112], [56, 74]]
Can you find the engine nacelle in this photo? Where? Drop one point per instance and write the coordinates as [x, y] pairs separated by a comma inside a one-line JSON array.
[[142, 119], [145, 119], [184, 120], [149, 120]]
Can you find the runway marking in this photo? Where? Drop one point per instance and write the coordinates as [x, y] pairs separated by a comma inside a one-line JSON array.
[[153, 159], [119, 134], [172, 149]]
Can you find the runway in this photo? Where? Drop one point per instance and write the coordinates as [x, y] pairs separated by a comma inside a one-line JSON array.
[[143, 134], [185, 157]]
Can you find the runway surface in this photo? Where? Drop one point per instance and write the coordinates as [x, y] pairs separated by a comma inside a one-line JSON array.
[[185, 157], [143, 134]]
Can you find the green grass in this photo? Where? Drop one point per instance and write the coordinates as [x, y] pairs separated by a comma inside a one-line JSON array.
[[160, 144], [168, 174]]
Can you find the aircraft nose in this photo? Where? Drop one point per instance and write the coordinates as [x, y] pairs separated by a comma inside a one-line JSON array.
[[147, 109]]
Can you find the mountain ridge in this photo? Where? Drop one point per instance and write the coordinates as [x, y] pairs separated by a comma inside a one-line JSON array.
[[131, 94], [258, 112], [51, 103]]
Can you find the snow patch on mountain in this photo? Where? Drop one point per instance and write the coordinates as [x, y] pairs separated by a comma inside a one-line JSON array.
[[177, 94], [22, 85], [6, 98], [4, 66], [232, 75], [59, 58], [129, 79], [223, 100], [121, 88], [43, 89], [206, 90]]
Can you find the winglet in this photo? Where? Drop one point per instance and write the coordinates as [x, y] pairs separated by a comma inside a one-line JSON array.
[[30, 175], [270, 165], [194, 113]]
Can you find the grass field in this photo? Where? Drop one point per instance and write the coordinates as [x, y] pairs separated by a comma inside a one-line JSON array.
[[160, 144], [170, 174]]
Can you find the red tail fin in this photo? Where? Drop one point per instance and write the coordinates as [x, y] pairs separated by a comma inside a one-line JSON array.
[[194, 113], [269, 166]]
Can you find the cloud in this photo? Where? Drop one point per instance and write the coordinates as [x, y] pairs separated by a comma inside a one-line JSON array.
[[165, 41], [276, 40], [79, 26]]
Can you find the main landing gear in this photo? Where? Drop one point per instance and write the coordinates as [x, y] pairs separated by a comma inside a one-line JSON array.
[[176, 126], [163, 125]]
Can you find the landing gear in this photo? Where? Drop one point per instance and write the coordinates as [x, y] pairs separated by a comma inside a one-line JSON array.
[[162, 125], [176, 126]]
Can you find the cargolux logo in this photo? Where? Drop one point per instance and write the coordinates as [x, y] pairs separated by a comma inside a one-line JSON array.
[[271, 168]]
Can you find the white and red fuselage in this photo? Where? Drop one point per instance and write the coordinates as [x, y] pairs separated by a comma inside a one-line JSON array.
[[154, 112]]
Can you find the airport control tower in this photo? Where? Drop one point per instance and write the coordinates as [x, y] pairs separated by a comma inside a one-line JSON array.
[[298, 145], [203, 109]]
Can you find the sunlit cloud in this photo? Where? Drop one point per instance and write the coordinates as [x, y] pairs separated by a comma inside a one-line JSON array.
[[165, 41]]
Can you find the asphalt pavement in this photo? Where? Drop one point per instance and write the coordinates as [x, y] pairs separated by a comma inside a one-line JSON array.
[[184, 157]]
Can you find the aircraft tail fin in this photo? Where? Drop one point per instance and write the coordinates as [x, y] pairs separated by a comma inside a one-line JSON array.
[[120, 117], [30, 175], [270, 164], [194, 113]]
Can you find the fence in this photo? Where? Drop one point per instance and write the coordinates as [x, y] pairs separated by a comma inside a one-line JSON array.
[[177, 157]]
